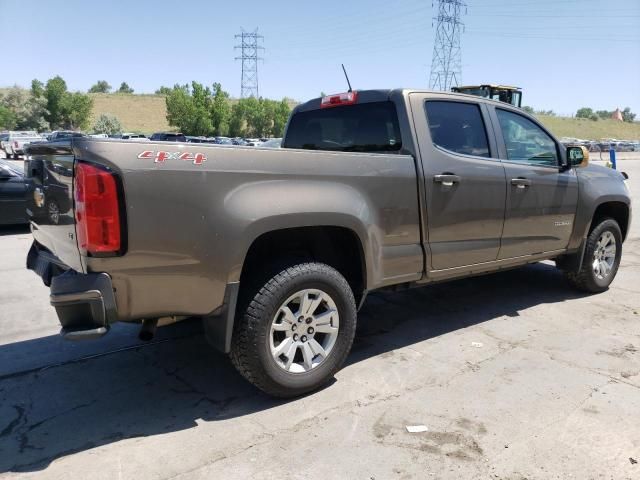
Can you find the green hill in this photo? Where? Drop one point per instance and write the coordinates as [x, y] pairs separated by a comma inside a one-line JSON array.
[[137, 113], [591, 130]]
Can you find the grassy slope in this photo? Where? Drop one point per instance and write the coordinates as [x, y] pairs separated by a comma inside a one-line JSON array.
[[137, 113], [590, 130]]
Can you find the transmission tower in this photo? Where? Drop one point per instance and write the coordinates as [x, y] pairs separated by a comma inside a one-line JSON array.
[[446, 65], [249, 47]]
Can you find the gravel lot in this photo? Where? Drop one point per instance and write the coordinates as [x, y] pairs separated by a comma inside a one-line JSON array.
[[515, 375]]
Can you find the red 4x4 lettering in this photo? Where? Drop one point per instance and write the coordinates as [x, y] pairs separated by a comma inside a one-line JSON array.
[[162, 156]]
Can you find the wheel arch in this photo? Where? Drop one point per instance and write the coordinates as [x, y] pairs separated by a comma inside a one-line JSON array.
[[617, 210], [339, 246]]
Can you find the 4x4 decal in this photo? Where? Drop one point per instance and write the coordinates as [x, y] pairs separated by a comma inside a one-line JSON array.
[[162, 156]]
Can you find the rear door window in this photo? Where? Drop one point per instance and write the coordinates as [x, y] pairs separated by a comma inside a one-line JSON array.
[[458, 127], [365, 127]]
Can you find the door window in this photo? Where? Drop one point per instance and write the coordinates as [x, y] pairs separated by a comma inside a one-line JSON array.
[[525, 141], [458, 127]]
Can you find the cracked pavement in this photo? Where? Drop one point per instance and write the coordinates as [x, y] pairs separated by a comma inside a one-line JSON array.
[[514, 374]]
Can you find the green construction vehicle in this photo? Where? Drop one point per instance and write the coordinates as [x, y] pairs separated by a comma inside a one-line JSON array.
[[503, 93]]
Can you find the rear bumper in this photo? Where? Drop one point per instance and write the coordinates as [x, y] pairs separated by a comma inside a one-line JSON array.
[[85, 303]]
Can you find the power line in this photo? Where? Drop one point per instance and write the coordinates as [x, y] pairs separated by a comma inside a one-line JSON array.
[[446, 64], [249, 47]]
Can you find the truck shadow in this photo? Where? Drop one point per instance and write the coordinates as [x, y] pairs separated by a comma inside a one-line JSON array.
[[101, 397], [6, 230]]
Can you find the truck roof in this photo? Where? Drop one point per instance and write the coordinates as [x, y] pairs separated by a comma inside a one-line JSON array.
[[382, 95]]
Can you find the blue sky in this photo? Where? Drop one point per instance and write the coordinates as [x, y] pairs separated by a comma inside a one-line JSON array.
[[564, 53]]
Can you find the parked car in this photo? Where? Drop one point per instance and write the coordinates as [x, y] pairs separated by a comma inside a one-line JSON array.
[[4, 136], [272, 143], [223, 141], [253, 142], [14, 144], [191, 139], [62, 134], [239, 141], [276, 250], [13, 195], [168, 137], [133, 136]]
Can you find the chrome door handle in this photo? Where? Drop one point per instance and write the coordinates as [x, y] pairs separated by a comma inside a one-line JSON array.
[[521, 182], [446, 179]]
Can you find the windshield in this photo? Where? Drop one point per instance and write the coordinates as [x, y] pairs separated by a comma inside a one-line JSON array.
[[366, 127]]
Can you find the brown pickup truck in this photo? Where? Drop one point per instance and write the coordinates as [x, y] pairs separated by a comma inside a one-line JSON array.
[[275, 249]]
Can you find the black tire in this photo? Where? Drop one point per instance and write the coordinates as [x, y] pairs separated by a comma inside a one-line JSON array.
[[250, 350], [586, 279]]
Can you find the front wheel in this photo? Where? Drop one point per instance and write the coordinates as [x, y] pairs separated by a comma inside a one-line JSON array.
[[296, 331], [601, 261]]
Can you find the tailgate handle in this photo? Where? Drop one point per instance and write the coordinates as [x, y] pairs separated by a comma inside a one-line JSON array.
[[521, 182], [446, 179]]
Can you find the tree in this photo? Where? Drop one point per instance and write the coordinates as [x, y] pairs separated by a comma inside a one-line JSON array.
[[252, 117], [627, 115], [64, 109], [7, 118], [163, 91], [101, 86], [180, 108], [220, 111], [76, 110], [604, 114], [528, 109], [107, 123], [584, 112], [37, 88], [594, 117], [282, 112], [27, 111], [55, 92], [125, 88]]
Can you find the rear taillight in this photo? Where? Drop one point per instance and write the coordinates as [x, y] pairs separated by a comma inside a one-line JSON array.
[[97, 210], [347, 98]]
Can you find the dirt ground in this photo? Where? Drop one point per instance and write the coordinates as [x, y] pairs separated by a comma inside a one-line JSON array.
[[514, 375]]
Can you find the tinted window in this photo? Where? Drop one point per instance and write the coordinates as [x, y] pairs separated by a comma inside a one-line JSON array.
[[525, 141], [366, 127], [458, 127]]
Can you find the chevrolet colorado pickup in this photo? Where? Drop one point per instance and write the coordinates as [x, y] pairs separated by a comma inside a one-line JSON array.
[[276, 249]]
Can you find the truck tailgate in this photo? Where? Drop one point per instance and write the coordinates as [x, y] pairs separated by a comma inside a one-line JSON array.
[[50, 167]]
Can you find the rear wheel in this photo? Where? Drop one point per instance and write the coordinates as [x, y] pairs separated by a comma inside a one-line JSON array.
[[601, 261], [295, 331]]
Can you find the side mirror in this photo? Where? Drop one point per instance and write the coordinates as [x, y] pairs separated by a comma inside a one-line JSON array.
[[578, 156]]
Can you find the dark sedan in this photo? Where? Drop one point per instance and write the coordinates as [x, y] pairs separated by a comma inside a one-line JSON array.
[[13, 203]]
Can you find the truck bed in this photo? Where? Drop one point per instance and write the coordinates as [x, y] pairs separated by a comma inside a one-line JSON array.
[[191, 212]]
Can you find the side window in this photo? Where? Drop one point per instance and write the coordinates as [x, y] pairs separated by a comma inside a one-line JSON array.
[[525, 141], [458, 127]]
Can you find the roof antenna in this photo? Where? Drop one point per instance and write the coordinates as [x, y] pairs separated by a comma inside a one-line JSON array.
[[347, 77]]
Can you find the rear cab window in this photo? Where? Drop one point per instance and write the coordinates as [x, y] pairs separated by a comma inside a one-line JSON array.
[[365, 127], [457, 127]]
